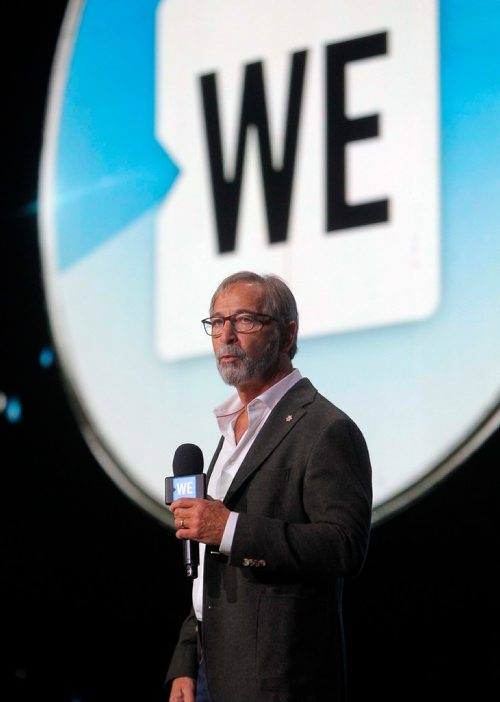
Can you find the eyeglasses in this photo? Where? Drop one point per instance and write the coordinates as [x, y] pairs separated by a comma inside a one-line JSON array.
[[243, 323]]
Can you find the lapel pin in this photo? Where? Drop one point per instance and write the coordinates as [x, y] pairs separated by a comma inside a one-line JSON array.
[[289, 418]]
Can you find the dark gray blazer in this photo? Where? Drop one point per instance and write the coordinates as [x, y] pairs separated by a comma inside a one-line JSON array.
[[272, 621]]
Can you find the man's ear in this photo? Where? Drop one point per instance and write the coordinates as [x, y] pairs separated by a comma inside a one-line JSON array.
[[289, 336]]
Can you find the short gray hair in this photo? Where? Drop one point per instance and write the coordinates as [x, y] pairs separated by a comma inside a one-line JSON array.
[[279, 301]]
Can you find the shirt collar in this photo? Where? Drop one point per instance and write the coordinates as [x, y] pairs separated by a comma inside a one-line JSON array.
[[225, 412]]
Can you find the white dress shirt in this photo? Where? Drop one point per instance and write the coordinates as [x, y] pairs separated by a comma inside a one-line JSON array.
[[231, 457]]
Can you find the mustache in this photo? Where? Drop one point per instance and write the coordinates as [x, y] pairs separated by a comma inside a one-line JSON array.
[[230, 350]]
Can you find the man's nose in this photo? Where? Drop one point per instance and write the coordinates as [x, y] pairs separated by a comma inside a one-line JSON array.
[[228, 333]]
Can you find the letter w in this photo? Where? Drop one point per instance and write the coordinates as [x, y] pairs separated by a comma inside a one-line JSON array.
[[277, 181]]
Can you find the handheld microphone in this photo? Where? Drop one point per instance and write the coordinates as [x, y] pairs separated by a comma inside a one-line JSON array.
[[188, 481]]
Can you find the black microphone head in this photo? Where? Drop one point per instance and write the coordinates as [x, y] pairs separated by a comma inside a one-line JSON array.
[[188, 460]]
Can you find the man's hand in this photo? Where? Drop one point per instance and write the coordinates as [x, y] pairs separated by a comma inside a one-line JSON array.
[[183, 690], [200, 520]]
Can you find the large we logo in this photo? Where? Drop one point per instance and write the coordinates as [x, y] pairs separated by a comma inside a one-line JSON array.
[[305, 148]]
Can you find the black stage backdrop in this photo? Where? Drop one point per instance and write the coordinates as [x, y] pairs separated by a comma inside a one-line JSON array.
[[95, 589]]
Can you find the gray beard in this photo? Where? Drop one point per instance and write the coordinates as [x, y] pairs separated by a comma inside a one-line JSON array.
[[248, 368]]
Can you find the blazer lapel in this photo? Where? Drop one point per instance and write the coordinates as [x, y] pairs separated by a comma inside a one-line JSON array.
[[283, 419], [214, 458]]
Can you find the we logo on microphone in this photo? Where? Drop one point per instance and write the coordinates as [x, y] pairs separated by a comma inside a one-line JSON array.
[[184, 486], [304, 148]]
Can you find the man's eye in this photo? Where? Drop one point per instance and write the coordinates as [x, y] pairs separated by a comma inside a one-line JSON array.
[[217, 323], [245, 319]]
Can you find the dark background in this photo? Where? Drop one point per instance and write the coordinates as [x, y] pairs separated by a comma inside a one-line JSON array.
[[95, 590]]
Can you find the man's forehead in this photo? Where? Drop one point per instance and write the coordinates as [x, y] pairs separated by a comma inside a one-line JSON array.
[[240, 295]]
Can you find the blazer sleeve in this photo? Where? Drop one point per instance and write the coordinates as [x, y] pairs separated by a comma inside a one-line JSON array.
[[330, 532], [185, 660]]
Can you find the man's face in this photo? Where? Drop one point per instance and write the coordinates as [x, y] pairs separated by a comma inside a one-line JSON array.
[[243, 358]]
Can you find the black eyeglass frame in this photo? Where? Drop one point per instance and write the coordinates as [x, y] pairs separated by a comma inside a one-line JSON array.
[[258, 317]]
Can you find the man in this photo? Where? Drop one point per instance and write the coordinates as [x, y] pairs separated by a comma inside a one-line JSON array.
[[288, 517]]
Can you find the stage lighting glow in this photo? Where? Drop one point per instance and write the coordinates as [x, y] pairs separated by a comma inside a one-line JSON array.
[[46, 357], [13, 410]]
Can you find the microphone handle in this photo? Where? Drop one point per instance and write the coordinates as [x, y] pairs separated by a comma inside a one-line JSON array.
[[191, 553]]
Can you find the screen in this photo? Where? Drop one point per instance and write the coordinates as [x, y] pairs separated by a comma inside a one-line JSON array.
[[348, 147]]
